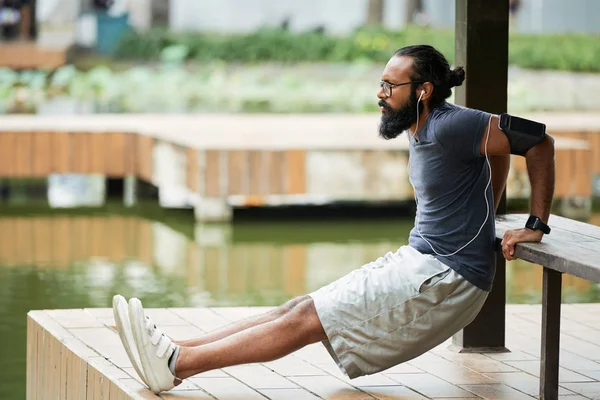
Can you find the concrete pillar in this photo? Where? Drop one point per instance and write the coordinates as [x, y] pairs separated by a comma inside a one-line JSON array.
[[212, 210], [130, 190]]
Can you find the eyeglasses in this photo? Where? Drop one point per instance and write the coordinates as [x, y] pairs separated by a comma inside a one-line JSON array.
[[387, 87]]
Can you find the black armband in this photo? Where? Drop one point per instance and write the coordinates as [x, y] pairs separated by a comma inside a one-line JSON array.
[[522, 133]]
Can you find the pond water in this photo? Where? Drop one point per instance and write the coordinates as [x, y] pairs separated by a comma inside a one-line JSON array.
[[51, 261]]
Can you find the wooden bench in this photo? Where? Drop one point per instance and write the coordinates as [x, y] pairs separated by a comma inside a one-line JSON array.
[[572, 248]]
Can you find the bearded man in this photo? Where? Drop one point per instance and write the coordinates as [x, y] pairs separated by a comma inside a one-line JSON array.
[[412, 299]]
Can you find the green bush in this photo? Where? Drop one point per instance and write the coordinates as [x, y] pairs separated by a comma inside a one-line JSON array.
[[564, 52]]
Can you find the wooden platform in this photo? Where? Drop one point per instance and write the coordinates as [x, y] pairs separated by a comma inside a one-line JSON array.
[[29, 55], [215, 162], [77, 354]]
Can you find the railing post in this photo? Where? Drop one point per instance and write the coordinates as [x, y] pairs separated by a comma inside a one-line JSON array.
[[482, 48], [551, 300]]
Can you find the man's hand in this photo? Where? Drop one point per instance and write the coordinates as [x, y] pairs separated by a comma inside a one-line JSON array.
[[515, 236]]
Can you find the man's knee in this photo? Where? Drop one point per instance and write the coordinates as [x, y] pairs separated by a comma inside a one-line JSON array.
[[291, 304], [304, 318]]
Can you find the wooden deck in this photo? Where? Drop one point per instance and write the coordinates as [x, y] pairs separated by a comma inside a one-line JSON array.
[[77, 354], [214, 162], [29, 55]]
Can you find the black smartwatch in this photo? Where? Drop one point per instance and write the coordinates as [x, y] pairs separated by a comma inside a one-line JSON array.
[[535, 223]]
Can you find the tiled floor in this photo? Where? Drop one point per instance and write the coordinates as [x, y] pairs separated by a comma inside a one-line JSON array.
[[311, 374]]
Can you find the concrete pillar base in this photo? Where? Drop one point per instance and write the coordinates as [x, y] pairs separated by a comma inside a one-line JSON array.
[[130, 191], [212, 210]]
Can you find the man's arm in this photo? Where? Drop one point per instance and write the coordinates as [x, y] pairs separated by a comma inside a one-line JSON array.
[[540, 168], [500, 166]]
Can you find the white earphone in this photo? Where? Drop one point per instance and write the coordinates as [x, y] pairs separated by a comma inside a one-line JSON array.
[[484, 191]]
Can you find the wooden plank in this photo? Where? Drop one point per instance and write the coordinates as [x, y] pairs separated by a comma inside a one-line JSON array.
[[237, 167], [98, 149], [275, 166], [61, 153], [594, 141], [42, 154], [295, 171], [7, 155], [212, 173], [551, 299], [130, 153], [115, 153], [23, 163], [80, 154], [258, 181], [563, 173], [145, 146], [192, 173], [572, 246], [582, 171]]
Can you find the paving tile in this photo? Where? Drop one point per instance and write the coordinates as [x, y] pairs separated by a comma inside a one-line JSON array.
[[77, 318], [164, 317], [289, 394], [523, 382], [135, 388], [238, 313], [132, 373], [259, 377], [429, 385], [581, 347], [203, 318], [404, 368], [329, 387], [476, 362], [515, 355], [564, 375], [315, 354], [449, 371], [189, 395], [367, 380], [587, 389], [594, 374], [93, 337], [99, 312], [182, 332], [294, 366], [184, 386], [576, 362], [497, 391], [392, 392], [227, 388], [573, 397]]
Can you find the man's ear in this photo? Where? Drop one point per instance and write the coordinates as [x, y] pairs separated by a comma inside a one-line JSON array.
[[426, 90]]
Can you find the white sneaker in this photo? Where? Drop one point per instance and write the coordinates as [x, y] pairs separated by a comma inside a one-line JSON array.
[[154, 349], [121, 313]]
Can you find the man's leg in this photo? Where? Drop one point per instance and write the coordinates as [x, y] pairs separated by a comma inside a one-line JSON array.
[[263, 342], [243, 324]]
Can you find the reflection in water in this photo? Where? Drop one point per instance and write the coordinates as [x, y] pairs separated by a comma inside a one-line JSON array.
[[74, 262]]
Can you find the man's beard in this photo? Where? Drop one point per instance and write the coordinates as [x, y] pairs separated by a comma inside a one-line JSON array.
[[395, 121]]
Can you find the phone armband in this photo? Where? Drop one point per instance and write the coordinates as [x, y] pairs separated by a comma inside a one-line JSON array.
[[522, 134]]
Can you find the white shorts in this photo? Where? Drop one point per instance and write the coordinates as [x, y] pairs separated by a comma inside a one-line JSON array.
[[394, 309]]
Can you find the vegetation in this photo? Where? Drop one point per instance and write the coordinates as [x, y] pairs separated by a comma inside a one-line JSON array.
[[561, 52]]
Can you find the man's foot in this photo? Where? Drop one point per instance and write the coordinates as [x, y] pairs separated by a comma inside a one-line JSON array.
[[121, 314], [154, 348]]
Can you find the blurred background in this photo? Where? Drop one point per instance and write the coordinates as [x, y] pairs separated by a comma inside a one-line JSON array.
[[73, 237]]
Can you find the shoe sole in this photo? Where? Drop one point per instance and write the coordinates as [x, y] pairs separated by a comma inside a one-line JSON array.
[[121, 314], [136, 316]]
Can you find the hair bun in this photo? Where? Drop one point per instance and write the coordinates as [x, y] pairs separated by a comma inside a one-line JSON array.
[[457, 76]]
